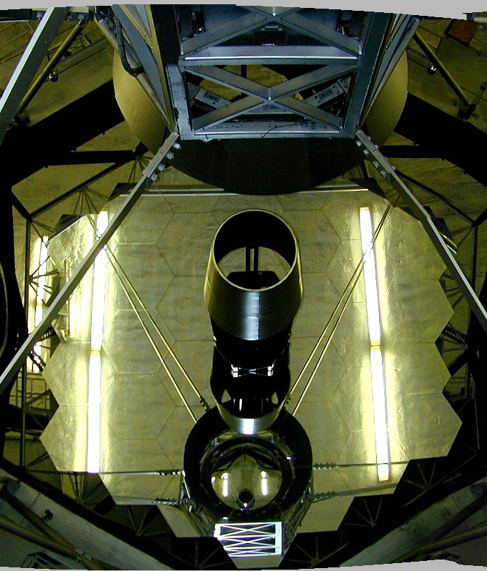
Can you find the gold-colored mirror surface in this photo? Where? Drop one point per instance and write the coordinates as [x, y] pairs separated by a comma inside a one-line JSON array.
[[163, 248]]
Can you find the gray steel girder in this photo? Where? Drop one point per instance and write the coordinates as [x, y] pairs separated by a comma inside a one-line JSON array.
[[149, 175], [28, 65]]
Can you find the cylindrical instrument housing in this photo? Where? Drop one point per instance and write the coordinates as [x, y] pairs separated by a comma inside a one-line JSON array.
[[252, 309], [253, 314]]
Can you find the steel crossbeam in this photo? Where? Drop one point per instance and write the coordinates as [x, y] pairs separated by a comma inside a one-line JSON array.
[[362, 62], [268, 55], [372, 44], [279, 95], [149, 175], [318, 32], [28, 65]]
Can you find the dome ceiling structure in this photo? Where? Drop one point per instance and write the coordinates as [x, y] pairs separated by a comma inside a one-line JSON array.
[[432, 343]]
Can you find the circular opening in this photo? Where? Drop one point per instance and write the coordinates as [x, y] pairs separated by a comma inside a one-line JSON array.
[[253, 241], [269, 264], [246, 497]]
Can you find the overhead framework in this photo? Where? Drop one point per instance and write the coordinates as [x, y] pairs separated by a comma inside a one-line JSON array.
[[372, 153], [150, 175], [206, 104], [208, 62]]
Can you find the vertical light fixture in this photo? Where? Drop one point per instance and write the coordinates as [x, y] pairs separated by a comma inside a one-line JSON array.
[[376, 361], [226, 484], [265, 488], [96, 338], [40, 295]]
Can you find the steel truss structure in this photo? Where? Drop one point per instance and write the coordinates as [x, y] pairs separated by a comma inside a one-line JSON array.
[[209, 62], [206, 114], [251, 539]]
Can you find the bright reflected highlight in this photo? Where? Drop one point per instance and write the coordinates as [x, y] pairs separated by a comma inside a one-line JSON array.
[[376, 362], [225, 484], [99, 287], [96, 338], [40, 296], [94, 415], [370, 276]]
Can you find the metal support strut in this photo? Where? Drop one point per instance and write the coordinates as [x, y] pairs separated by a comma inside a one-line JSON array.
[[373, 154], [149, 175], [28, 65]]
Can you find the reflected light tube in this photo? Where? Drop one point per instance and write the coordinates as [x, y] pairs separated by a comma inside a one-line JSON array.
[[94, 414], [96, 338], [376, 362], [225, 484], [370, 276], [40, 296], [263, 481]]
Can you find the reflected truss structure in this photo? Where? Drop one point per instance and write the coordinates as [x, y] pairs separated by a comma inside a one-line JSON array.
[[206, 74], [250, 539]]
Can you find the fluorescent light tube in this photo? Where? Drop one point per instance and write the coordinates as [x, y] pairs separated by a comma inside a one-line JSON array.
[[263, 481], [370, 276], [380, 413], [99, 288], [94, 415], [96, 338], [376, 361], [40, 295]]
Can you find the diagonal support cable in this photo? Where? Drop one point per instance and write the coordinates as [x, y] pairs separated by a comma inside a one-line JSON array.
[[149, 337], [387, 171], [335, 318], [150, 175]]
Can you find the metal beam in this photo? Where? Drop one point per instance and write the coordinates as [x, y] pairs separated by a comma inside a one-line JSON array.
[[310, 79], [267, 95], [76, 189], [70, 552], [28, 65], [23, 382], [266, 129], [374, 36], [442, 69], [404, 28], [51, 64], [228, 112], [139, 17], [164, 29], [480, 219], [271, 10], [225, 32], [327, 35], [149, 175], [19, 206], [441, 198], [311, 112], [33, 518], [269, 55], [373, 154], [229, 79]]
